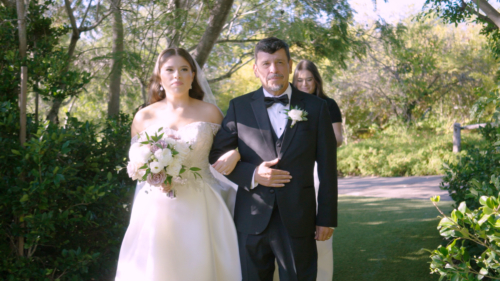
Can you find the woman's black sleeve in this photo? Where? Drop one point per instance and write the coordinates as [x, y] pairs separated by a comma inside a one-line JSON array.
[[334, 109]]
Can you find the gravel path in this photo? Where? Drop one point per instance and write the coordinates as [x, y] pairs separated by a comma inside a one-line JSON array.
[[401, 187]]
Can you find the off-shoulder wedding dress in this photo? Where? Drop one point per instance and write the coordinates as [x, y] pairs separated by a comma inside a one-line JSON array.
[[189, 238]]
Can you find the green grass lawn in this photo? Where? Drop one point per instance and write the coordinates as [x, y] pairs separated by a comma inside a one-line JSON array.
[[381, 239], [400, 152]]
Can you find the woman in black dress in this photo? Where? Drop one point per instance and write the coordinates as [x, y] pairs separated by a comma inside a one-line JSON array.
[[307, 79]]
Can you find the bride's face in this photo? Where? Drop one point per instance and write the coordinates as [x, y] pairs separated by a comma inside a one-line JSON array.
[[176, 75], [305, 81]]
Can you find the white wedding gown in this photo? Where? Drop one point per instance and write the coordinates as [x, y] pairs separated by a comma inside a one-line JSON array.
[[189, 238]]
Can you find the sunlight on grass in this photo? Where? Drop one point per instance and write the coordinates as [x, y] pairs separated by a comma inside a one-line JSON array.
[[381, 239]]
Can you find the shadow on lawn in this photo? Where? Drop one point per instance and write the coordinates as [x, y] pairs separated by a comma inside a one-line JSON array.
[[381, 239]]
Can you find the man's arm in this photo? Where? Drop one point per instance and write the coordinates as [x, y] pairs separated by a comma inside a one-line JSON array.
[[327, 171], [226, 140]]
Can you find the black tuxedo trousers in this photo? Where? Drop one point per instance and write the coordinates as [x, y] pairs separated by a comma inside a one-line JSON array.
[[247, 128]]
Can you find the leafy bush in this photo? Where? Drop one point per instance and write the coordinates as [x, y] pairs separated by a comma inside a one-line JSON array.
[[402, 152], [474, 251], [473, 229], [63, 207], [467, 179]]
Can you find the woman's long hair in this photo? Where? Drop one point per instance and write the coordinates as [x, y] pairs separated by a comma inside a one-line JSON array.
[[155, 94], [309, 65]]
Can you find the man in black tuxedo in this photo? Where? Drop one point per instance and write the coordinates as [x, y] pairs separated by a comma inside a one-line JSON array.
[[275, 209]]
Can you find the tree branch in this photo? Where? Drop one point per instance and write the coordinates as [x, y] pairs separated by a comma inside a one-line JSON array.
[[218, 16], [490, 12], [471, 10], [88, 28], [233, 69], [71, 16], [236, 41], [85, 15]]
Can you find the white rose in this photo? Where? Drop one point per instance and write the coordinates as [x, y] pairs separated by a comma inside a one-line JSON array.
[[164, 156], [132, 168], [134, 172], [295, 114], [140, 153], [174, 168], [171, 142], [140, 173], [156, 167]]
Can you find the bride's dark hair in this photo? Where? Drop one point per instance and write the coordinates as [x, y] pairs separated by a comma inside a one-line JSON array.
[[155, 94], [309, 65]]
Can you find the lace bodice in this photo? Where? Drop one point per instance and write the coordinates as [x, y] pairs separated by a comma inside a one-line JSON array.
[[199, 135]]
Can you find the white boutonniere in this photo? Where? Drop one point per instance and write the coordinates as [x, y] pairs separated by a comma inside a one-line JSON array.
[[296, 115]]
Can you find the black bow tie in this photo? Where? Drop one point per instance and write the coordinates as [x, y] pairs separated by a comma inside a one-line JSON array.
[[269, 101]]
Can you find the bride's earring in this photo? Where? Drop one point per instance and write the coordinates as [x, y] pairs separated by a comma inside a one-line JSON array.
[[161, 88], [191, 86]]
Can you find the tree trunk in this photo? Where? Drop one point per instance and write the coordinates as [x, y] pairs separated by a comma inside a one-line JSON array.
[[53, 115], [218, 16], [144, 90], [21, 12], [117, 61], [490, 12], [21, 20]]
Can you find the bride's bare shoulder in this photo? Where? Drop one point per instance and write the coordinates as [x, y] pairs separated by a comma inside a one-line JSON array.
[[210, 112], [143, 118]]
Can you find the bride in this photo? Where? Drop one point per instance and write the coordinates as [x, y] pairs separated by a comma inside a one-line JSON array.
[[191, 236]]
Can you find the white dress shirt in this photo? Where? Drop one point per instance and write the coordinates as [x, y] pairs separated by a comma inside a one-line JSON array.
[[277, 117], [276, 112]]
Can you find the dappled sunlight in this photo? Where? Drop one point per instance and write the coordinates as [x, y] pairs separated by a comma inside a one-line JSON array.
[[372, 223], [377, 259], [378, 233]]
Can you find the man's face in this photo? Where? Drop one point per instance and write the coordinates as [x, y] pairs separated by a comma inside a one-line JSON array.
[[273, 70]]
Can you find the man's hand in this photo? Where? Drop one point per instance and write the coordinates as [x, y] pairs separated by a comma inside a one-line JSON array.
[[323, 233], [271, 177]]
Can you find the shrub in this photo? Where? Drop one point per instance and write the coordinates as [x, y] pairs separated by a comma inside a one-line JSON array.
[[473, 229], [402, 152], [467, 179], [474, 250], [63, 207]]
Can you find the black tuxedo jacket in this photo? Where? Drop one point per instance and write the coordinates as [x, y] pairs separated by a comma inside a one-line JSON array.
[[247, 127]]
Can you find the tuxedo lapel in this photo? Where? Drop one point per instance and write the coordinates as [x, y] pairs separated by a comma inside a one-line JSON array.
[[262, 117], [296, 101]]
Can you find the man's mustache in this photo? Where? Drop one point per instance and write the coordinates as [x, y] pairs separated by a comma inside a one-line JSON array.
[[275, 76]]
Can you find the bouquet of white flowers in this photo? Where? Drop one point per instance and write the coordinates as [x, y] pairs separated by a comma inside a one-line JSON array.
[[159, 160]]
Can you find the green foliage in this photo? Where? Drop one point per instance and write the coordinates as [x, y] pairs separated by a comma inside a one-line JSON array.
[[471, 174], [459, 11], [473, 229], [48, 66], [413, 70], [62, 197], [474, 251], [469, 177], [398, 151], [487, 107]]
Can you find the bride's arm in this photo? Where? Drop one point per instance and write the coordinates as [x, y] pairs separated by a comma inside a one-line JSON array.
[[137, 123], [226, 163]]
